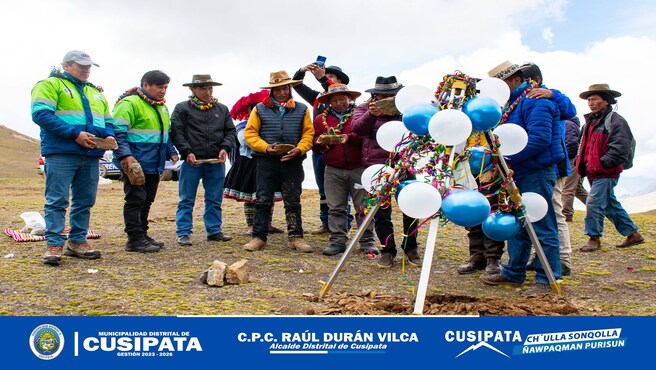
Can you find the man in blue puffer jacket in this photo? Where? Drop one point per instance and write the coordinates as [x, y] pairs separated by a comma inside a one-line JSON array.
[[533, 172]]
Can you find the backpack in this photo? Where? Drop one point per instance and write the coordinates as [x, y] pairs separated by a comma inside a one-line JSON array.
[[629, 161]]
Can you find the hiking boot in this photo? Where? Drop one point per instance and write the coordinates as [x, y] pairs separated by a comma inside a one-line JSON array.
[[53, 255], [255, 244], [386, 261], [334, 249], [81, 250], [141, 246], [470, 267], [154, 242], [320, 230], [537, 288], [633, 239], [413, 258], [592, 245], [219, 237], [300, 245], [184, 240], [496, 279], [493, 266]]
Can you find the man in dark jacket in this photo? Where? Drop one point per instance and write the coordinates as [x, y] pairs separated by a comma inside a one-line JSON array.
[[326, 76], [573, 186], [203, 132], [606, 147], [534, 171], [367, 119]]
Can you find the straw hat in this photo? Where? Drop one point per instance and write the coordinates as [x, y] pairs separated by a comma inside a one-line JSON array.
[[335, 89], [504, 70]]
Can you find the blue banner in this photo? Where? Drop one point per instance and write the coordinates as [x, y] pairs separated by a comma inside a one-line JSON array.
[[323, 342]]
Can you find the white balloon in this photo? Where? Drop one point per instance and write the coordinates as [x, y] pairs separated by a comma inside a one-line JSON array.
[[536, 206], [449, 127], [373, 177], [419, 200], [495, 89], [513, 138], [390, 134], [411, 95]]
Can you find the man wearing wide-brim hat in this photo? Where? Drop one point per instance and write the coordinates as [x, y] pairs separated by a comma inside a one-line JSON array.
[[280, 132], [326, 77], [203, 132], [341, 150], [367, 119], [607, 147]]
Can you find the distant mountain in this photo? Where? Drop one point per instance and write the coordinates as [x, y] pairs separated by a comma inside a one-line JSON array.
[[651, 188], [19, 153], [634, 185]]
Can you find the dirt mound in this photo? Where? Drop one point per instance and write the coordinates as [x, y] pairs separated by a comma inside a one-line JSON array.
[[371, 303]]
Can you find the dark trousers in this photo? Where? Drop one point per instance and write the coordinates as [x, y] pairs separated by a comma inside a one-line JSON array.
[[287, 176], [138, 200], [385, 229], [480, 246]]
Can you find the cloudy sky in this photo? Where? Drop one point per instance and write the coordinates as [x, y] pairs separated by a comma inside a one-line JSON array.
[[576, 43]]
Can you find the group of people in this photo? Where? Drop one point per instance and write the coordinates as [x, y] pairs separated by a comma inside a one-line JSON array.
[[268, 146]]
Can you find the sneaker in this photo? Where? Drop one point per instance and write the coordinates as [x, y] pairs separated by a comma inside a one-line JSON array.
[[141, 246], [334, 249], [369, 248], [495, 279], [53, 254], [184, 240], [386, 261], [154, 242], [219, 237], [537, 288], [255, 244], [320, 230], [300, 245], [413, 258], [81, 250]]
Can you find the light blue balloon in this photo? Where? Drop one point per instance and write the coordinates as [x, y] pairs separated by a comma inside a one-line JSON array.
[[417, 116], [481, 158], [501, 226], [484, 112], [466, 207]]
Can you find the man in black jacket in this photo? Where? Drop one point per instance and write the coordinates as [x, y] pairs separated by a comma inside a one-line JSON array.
[[203, 132]]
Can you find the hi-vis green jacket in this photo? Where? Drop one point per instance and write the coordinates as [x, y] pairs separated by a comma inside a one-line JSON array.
[[64, 106], [140, 134]]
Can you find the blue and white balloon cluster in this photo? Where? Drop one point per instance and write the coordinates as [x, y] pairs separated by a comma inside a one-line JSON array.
[[422, 118]]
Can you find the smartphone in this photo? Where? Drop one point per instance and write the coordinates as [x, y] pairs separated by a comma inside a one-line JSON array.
[[321, 61]]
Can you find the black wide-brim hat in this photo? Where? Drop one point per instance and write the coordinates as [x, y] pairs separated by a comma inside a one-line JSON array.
[[338, 72], [385, 85], [202, 80]]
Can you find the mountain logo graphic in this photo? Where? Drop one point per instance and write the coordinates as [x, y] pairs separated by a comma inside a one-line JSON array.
[[478, 345]]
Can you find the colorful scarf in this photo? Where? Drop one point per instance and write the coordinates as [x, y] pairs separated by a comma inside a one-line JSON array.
[[272, 103], [142, 94]]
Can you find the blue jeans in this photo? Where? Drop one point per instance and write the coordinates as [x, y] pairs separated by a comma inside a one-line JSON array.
[[519, 247], [319, 169], [69, 174], [213, 176], [602, 203]]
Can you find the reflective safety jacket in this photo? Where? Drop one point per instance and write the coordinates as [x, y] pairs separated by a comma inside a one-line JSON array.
[[63, 107]]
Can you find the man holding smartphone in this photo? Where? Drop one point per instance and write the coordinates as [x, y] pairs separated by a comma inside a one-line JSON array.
[[326, 76]]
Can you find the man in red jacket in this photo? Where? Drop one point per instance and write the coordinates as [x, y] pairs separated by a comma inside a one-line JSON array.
[[606, 148], [341, 150]]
